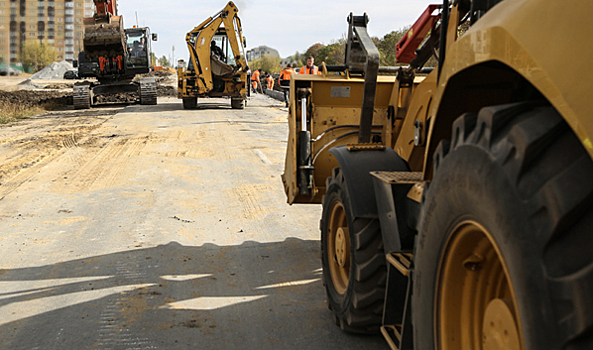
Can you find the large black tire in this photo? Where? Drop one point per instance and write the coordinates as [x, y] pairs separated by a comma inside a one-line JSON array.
[[516, 180], [190, 102], [237, 103], [354, 282]]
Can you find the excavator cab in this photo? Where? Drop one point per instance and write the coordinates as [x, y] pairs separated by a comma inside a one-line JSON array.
[[221, 58], [138, 49], [222, 42]]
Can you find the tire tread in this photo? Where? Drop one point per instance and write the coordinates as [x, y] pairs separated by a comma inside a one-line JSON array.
[[363, 312], [551, 172]]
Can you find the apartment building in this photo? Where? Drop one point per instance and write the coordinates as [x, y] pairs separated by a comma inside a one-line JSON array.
[[55, 22], [259, 52]]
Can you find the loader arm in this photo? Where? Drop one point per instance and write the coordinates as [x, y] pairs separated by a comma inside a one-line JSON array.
[[233, 24], [198, 42]]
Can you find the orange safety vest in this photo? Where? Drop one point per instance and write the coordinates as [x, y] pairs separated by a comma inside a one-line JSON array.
[[255, 76], [312, 70], [285, 74], [270, 83]]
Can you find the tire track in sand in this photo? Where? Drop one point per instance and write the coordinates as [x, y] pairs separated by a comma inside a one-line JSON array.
[[108, 168], [249, 195]]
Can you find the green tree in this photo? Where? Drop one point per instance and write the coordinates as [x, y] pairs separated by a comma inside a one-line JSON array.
[[386, 46], [315, 51], [334, 53], [37, 55], [267, 63], [298, 59], [163, 61], [153, 59]]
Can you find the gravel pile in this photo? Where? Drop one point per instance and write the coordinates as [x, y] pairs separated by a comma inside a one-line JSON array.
[[28, 84], [55, 70]]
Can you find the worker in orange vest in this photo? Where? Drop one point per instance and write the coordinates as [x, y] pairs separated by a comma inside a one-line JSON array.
[[255, 79], [270, 81], [284, 81], [310, 68]]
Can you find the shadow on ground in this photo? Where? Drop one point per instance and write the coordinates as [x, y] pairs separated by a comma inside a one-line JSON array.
[[248, 296]]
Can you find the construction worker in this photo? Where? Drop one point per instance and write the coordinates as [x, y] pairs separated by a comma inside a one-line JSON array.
[[255, 79], [284, 81], [217, 51], [270, 81], [310, 68]]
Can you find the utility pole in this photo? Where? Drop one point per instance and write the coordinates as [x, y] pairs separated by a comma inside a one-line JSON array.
[[173, 56]]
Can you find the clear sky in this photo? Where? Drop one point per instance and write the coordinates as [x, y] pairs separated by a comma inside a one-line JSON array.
[[285, 25]]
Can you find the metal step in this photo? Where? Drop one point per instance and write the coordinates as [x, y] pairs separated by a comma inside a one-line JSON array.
[[398, 177], [397, 326], [390, 332], [401, 261]]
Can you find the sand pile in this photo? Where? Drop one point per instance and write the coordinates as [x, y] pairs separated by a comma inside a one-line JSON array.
[[55, 70]]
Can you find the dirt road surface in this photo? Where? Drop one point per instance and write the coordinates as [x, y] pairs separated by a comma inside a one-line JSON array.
[[154, 227]]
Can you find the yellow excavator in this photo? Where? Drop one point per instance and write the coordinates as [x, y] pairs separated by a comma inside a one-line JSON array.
[[217, 66]]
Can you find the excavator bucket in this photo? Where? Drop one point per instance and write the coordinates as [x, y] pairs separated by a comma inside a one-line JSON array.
[[104, 39]]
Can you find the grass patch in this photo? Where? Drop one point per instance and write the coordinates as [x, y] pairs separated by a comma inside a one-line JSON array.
[[10, 113], [21, 104]]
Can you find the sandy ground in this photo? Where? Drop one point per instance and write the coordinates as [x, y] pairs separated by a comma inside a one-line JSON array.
[[154, 227], [12, 83]]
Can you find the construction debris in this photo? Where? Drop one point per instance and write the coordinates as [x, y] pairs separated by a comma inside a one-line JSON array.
[[35, 92], [26, 98]]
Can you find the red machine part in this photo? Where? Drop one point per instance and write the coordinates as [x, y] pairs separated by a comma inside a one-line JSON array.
[[102, 62], [405, 49], [105, 7], [115, 61], [120, 62]]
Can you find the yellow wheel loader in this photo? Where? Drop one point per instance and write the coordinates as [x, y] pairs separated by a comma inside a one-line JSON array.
[[216, 66], [457, 201]]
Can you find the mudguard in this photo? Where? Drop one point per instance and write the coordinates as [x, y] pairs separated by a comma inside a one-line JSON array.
[[356, 167]]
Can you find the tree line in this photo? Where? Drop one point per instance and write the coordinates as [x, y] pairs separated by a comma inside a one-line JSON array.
[[333, 53]]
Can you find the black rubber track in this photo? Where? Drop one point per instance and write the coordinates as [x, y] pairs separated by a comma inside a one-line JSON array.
[[521, 172], [237, 103], [81, 97], [360, 309], [148, 92], [190, 102]]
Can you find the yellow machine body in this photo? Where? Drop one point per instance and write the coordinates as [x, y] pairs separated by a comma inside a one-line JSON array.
[[452, 197], [480, 68], [551, 53], [207, 75]]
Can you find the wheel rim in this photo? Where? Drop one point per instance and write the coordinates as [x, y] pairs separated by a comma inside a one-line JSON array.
[[475, 301], [338, 248]]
